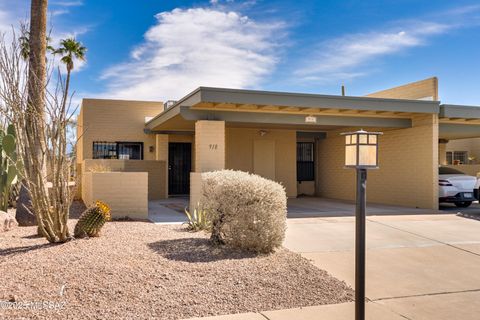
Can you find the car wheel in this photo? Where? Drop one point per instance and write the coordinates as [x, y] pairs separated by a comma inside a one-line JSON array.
[[463, 204]]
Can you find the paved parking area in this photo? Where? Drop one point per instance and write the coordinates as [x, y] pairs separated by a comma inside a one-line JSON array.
[[421, 264], [418, 266]]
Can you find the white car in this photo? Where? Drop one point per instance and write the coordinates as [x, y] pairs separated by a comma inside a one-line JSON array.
[[456, 187]]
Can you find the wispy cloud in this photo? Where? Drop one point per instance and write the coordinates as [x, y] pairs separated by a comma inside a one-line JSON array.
[[352, 55], [340, 58], [196, 47], [67, 3]]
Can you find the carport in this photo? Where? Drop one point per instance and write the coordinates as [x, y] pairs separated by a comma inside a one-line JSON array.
[[259, 132]]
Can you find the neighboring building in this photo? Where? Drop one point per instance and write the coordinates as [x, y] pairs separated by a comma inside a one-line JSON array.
[[463, 151], [292, 138]]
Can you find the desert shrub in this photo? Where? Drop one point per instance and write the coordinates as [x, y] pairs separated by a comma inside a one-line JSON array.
[[248, 211], [92, 220], [200, 219]]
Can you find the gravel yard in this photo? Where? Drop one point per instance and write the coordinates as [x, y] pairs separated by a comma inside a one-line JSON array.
[[139, 270]]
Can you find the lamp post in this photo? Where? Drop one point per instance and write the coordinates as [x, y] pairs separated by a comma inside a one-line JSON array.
[[361, 153]]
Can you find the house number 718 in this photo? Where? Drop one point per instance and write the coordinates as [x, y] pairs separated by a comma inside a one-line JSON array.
[[213, 146]]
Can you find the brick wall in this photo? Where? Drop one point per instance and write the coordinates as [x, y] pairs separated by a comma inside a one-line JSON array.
[[408, 173], [472, 146], [114, 120], [425, 89], [125, 192], [156, 170]]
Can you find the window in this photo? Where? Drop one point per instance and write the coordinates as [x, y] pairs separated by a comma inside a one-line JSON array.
[[457, 157], [305, 161], [118, 150]]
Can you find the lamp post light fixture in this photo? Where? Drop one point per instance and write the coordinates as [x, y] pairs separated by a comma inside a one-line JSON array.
[[361, 153]]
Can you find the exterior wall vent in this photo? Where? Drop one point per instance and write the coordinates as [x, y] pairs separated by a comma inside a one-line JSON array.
[[168, 104]]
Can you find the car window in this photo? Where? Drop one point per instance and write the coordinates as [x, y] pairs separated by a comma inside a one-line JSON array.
[[447, 170]]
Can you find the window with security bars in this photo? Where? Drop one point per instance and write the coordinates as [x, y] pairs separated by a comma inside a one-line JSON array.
[[118, 150], [457, 157], [305, 161]]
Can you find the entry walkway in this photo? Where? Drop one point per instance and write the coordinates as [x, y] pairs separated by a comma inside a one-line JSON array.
[[168, 211]]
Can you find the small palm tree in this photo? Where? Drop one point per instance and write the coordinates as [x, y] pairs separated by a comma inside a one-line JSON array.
[[71, 50], [25, 44]]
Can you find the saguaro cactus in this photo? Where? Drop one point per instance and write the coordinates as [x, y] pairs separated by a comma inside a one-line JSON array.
[[8, 164]]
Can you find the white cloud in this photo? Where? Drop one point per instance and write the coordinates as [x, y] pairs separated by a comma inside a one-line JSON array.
[[356, 55], [67, 3], [196, 47], [341, 58]]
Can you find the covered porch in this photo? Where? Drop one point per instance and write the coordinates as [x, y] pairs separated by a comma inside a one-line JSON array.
[[259, 132]]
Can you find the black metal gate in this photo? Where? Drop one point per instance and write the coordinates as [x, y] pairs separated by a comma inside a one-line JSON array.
[[179, 167]]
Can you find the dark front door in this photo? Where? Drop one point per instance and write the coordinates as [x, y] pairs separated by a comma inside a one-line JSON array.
[[179, 167]]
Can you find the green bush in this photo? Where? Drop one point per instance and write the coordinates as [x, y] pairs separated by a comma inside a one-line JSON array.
[[248, 211]]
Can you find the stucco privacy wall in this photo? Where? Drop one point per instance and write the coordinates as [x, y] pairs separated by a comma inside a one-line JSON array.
[[240, 144], [156, 170], [115, 120], [125, 192], [408, 173]]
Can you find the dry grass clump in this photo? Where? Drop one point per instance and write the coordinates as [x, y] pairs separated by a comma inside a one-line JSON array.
[[248, 211]]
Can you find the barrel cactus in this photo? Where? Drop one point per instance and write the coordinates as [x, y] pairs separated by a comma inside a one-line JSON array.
[[9, 165], [92, 220]]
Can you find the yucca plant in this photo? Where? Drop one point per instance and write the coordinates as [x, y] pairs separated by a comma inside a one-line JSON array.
[[199, 220], [92, 220]]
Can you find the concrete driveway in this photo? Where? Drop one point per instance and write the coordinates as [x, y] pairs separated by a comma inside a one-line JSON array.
[[418, 266]]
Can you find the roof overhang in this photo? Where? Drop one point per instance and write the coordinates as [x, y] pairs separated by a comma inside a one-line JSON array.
[[283, 108], [452, 111], [459, 122]]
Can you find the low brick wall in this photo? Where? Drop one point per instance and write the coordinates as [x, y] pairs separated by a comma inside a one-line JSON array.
[[157, 172], [125, 192]]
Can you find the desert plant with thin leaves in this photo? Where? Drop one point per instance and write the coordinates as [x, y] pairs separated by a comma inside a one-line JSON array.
[[198, 220]]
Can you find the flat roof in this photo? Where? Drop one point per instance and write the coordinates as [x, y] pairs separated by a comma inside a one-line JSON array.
[[288, 99], [459, 111]]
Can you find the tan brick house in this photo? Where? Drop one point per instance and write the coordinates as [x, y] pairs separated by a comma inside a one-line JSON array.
[[292, 138]]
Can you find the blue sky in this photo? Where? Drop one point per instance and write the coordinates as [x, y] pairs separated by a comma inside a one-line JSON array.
[[157, 50]]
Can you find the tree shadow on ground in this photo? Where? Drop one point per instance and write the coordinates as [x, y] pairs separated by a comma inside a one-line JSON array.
[[19, 250], [197, 250]]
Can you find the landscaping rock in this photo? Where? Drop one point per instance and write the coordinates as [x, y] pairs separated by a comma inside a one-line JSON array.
[[7, 221], [23, 215]]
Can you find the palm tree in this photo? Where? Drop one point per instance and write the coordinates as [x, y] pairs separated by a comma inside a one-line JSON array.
[[36, 47], [71, 50], [25, 44]]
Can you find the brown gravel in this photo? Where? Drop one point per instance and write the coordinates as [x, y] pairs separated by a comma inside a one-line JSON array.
[[138, 270]]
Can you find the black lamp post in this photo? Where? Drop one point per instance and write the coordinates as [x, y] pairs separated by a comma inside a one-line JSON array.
[[361, 153]]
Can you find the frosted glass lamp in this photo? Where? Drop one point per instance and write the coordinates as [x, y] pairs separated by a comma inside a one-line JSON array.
[[361, 149]]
